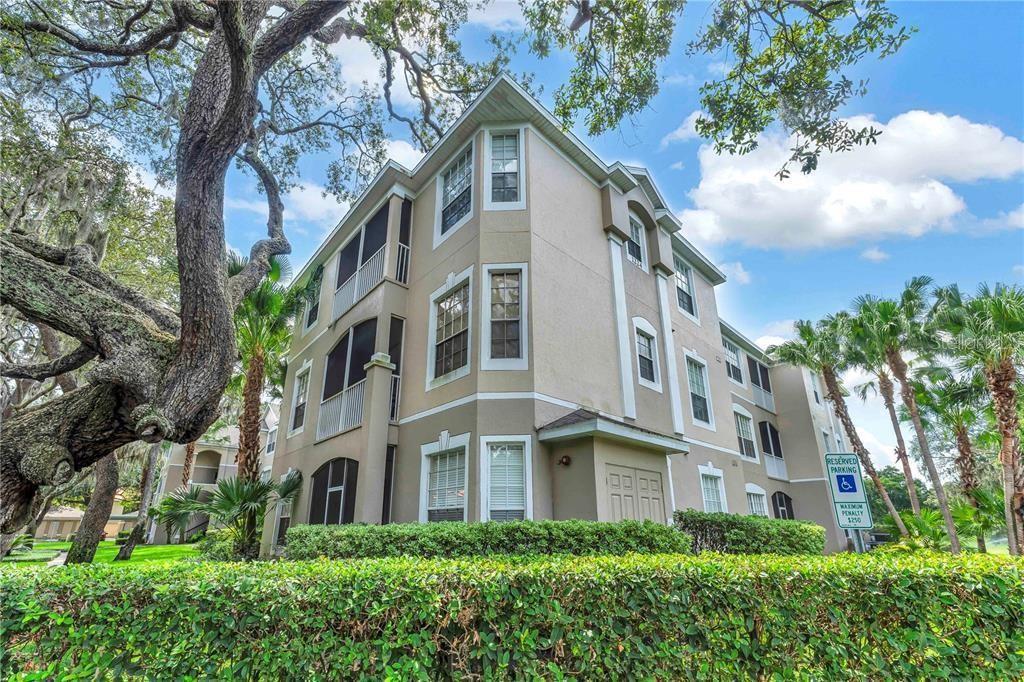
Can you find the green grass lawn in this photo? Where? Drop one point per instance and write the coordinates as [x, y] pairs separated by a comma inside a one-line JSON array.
[[44, 551]]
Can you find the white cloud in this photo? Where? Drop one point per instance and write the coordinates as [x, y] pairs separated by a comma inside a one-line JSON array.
[[305, 202], [404, 153], [678, 165], [766, 341], [894, 188], [687, 130], [718, 68], [680, 79], [735, 272], [874, 254], [1018, 271], [1006, 220], [501, 15]]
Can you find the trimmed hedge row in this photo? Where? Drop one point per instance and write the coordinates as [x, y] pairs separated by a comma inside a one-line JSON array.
[[735, 534], [456, 539], [665, 617]]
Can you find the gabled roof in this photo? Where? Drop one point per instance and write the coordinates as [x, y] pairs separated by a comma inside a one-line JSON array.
[[503, 101]]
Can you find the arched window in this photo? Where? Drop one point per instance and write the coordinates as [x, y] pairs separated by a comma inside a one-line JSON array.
[[782, 506], [333, 492]]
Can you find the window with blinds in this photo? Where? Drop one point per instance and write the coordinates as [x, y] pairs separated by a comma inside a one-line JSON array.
[[446, 486], [684, 286], [732, 361], [301, 395], [697, 375], [712, 489], [457, 184], [756, 505], [452, 332], [634, 245], [745, 434], [505, 167], [645, 355], [507, 491]]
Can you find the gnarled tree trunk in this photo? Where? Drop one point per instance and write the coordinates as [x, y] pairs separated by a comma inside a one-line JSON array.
[[886, 389], [835, 396], [899, 371], [83, 549], [145, 497]]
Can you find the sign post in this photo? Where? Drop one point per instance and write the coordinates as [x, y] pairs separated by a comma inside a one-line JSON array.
[[849, 499]]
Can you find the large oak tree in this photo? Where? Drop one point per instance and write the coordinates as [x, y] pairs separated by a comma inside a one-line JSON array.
[[196, 86]]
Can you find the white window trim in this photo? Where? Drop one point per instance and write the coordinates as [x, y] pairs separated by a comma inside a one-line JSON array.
[[644, 259], [439, 196], [709, 425], [444, 443], [738, 409], [754, 489], [739, 359], [503, 364], [695, 316], [485, 472], [306, 368], [710, 470], [452, 282], [271, 438], [490, 205], [642, 325]]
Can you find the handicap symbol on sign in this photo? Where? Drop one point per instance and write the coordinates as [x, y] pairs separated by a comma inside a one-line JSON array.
[[847, 483]]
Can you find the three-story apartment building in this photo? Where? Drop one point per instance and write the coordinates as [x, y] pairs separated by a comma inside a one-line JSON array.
[[515, 329]]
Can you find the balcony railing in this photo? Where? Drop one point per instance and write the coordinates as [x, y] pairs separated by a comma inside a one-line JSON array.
[[402, 272], [359, 284], [775, 467], [341, 412], [396, 393], [204, 475], [764, 399]]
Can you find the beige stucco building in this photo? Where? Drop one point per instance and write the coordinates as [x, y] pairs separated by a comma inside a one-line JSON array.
[[517, 329]]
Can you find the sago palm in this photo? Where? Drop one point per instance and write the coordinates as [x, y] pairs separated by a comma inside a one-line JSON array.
[[868, 354], [986, 334], [820, 348], [899, 326]]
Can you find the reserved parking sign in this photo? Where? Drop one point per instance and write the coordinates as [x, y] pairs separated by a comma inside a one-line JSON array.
[[849, 499]]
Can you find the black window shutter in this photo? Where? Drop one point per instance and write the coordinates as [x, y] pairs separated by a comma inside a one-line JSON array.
[[766, 382], [775, 505], [364, 337], [318, 494], [766, 441], [351, 475], [755, 375], [776, 443], [334, 381]]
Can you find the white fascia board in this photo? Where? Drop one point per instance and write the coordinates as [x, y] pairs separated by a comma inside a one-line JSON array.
[[603, 428]]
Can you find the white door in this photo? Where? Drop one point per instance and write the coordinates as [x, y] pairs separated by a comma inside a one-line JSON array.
[[634, 494]]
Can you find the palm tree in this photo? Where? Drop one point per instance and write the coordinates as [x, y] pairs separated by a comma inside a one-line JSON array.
[[821, 348], [175, 511], [868, 354], [190, 458], [951, 404], [980, 514], [897, 326], [263, 334], [987, 334], [241, 506]]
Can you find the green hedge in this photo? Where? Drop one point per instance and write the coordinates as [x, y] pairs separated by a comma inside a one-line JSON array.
[[455, 539], [709, 617], [735, 534]]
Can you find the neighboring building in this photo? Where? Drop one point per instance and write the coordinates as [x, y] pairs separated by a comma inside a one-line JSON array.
[[515, 329], [214, 460], [61, 522]]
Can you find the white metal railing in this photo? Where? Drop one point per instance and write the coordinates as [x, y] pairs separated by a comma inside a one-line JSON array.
[[764, 399], [775, 467], [341, 412], [396, 392], [359, 284], [402, 271]]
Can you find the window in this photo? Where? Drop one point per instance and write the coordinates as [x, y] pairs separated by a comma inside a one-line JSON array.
[[700, 402], [332, 497], [505, 315], [839, 442], [301, 394], [446, 486], [815, 388], [271, 441], [756, 504], [826, 440], [745, 435], [684, 287], [457, 191], [645, 355], [504, 167], [451, 350], [732, 361], [782, 506], [313, 309], [770, 442], [714, 493], [505, 469], [284, 520], [635, 245], [759, 375]]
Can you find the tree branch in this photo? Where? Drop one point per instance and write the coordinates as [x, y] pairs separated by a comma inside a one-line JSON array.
[[291, 30], [45, 370]]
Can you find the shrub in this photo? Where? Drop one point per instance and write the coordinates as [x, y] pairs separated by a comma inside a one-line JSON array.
[[455, 539], [628, 617], [735, 534], [216, 545]]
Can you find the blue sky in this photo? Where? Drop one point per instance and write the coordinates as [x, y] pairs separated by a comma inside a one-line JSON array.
[[941, 194]]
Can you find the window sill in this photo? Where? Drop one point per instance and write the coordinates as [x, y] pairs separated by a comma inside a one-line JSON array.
[[504, 364], [505, 206], [707, 426], [295, 432], [441, 238], [656, 387], [693, 318], [448, 378]]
